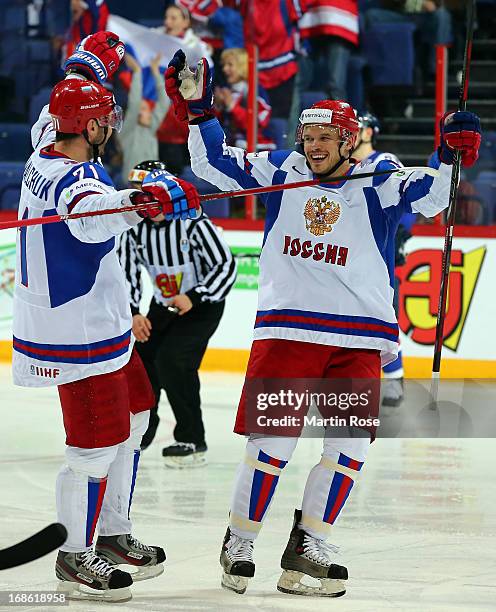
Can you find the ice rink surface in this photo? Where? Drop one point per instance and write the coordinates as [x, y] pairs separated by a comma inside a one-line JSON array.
[[418, 532]]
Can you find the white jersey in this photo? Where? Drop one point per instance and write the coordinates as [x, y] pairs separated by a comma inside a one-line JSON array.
[[378, 156], [327, 262], [71, 310]]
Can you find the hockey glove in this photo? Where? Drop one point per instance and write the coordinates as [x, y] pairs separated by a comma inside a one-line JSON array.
[[139, 197], [190, 92], [176, 198], [97, 57], [460, 131]]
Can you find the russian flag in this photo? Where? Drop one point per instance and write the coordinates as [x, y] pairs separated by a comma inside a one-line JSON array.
[[144, 44]]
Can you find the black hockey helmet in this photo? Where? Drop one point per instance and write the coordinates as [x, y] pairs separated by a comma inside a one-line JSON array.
[[141, 170], [369, 120]]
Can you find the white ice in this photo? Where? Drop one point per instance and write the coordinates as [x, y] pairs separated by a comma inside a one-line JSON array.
[[418, 532]]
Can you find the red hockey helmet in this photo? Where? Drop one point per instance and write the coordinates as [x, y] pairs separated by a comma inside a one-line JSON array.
[[334, 113], [74, 102]]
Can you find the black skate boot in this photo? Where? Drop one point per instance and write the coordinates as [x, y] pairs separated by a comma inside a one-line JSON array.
[[236, 558], [125, 549], [305, 555], [85, 575], [185, 455]]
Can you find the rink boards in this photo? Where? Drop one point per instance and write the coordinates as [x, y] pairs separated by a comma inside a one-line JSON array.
[[469, 347]]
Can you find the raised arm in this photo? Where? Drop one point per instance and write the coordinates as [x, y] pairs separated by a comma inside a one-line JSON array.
[[418, 192]]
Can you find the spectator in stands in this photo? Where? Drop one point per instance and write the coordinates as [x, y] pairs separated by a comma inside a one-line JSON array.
[[273, 32], [433, 21], [172, 133], [88, 17], [231, 101], [329, 29], [228, 22], [219, 26], [138, 135], [177, 22]]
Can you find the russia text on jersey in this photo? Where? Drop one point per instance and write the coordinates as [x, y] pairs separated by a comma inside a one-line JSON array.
[[330, 253]]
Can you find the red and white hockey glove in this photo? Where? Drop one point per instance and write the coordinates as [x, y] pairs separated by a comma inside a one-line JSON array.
[[190, 92], [460, 131], [97, 57], [176, 199], [139, 197]]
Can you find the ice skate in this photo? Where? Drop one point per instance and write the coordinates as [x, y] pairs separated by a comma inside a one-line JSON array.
[[308, 567], [85, 575], [236, 558], [392, 389], [148, 560], [185, 455]]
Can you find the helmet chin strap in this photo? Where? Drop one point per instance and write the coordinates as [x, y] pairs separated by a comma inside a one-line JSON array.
[[96, 146]]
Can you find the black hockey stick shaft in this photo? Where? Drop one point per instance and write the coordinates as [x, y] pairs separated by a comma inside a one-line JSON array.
[[455, 177], [38, 545]]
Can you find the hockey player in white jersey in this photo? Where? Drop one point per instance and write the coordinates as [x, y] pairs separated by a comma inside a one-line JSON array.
[[365, 151], [72, 322], [324, 305]]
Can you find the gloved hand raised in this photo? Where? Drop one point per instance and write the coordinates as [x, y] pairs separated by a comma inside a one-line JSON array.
[[176, 199], [461, 131], [96, 57], [190, 92]]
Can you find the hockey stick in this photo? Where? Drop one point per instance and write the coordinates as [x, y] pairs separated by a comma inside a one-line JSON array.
[[38, 545], [450, 221], [217, 196]]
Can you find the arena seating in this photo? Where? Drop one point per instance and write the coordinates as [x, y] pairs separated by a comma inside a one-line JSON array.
[[15, 141], [10, 184]]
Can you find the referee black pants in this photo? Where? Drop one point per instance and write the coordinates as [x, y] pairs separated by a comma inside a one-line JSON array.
[[172, 356]]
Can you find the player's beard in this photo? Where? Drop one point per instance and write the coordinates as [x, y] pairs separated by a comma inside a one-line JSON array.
[[103, 138]]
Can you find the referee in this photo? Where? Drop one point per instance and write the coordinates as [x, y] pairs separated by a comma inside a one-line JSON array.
[[192, 271]]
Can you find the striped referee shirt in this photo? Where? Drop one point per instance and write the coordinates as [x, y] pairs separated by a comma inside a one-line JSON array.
[[188, 257]]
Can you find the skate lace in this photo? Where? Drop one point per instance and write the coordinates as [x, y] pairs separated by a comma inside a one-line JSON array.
[[318, 550], [96, 564], [240, 549], [137, 544]]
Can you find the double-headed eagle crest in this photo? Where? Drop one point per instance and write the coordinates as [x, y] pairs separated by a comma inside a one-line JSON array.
[[320, 215]]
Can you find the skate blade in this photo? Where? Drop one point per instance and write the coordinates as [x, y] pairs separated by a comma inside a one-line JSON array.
[[76, 591], [191, 461], [291, 582], [237, 584], [146, 572]]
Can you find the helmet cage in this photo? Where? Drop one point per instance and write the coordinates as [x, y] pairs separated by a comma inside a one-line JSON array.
[[114, 119]]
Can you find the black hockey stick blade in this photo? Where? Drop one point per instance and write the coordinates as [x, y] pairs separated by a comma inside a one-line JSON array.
[[38, 545]]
